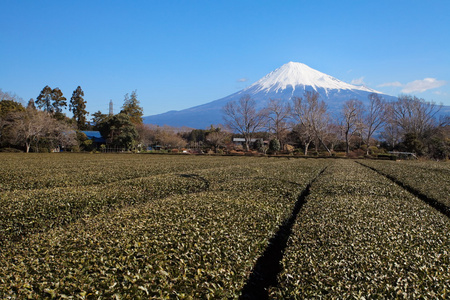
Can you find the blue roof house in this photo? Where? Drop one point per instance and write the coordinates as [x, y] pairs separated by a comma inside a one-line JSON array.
[[95, 136]]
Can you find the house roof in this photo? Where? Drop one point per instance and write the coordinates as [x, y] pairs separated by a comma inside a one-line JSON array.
[[96, 136], [243, 140]]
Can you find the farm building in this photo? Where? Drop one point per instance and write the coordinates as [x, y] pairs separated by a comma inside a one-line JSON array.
[[241, 141]]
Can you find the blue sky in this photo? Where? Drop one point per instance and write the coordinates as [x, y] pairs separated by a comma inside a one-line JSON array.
[[178, 54]]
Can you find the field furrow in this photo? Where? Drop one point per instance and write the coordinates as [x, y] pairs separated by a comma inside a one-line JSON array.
[[42, 171], [428, 179], [360, 235], [187, 227], [198, 245]]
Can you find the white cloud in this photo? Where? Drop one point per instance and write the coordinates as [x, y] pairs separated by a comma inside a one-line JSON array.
[[358, 81], [423, 85], [395, 83], [242, 80]]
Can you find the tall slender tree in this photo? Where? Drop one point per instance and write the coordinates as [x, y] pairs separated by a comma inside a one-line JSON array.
[[351, 119], [78, 108], [44, 100], [132, 108], [52, 101], [374, 117], [59, 102], [278, 114]]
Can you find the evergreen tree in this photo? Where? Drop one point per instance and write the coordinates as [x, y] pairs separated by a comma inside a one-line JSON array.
[[119, 131], [274, 146], [52, 101], [59, 101], [97, 118], [132, 108], [30, 104], [78, 108], [44, 100], [9, 106]]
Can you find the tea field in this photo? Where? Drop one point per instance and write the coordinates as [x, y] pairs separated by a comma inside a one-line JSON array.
[[84, 226]]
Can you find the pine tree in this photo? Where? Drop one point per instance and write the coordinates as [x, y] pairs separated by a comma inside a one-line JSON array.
[[44, 100], [98, 118], [132, 108], [59, 101], [30, 104], [52, 101], [78, 108]]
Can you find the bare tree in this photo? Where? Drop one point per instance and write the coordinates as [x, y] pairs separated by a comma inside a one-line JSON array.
[[414, 115], [171, 140], [351, 119], [146, 135], [299, 112], [62, 135], [391, 133], [29, 127], [374, 117], [334, 136], [217, 138], [311, 114], [278, 113], [165, 136], [10, 96], [305, 135], [243, 117]]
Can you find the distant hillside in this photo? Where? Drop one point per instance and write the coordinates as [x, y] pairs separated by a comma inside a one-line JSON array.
[[291, 79]]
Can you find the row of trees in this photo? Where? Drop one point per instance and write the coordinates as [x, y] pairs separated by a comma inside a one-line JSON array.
[[408, 124], [43, 125]]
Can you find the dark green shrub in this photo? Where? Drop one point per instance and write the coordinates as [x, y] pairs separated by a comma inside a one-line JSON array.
[[274, 146]]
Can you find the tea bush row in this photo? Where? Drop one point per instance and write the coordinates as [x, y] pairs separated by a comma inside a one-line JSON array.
[[426, 177], [25, 212], [359, 235], [194, 246], [37, 171]]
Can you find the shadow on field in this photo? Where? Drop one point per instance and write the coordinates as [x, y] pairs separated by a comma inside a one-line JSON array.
[[197, 177], [268, 266], [441, 207]]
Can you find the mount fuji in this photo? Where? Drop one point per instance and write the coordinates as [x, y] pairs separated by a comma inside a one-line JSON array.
[[290, 80]]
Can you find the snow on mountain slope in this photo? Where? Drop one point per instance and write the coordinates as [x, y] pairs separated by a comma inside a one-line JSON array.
[[297, 74], [290, 80]]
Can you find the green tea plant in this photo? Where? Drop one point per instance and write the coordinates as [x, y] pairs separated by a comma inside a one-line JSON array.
[[359, 235], [426, 177], [198, 238]]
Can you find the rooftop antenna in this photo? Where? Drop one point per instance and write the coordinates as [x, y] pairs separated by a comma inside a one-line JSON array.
[[111, 110]]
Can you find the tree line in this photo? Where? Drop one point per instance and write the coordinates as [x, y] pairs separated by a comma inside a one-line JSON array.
[[409, 124], [41, 125]]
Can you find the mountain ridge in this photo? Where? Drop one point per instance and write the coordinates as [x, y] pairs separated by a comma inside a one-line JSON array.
[[292, 79]]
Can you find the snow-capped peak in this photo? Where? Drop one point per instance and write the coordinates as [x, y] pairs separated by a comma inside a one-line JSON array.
[[297, 74]]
